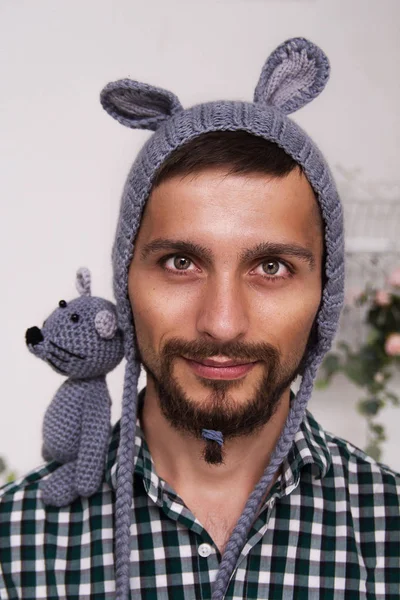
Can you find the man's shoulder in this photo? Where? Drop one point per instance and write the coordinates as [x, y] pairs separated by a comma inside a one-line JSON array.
[[351, 464], [26, 485]]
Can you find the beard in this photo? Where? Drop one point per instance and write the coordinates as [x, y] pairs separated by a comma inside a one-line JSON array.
[[220, 412]]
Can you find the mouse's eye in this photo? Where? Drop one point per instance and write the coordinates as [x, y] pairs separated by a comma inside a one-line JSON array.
[[62, 304], [74, 318]]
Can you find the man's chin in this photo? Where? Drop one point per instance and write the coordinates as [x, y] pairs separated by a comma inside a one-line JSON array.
[[233, 414], [215, 395]]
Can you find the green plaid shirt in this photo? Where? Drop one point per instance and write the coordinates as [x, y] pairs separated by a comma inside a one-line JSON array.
[[329, 529]]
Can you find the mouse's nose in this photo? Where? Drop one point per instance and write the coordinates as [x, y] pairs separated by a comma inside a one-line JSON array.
[[33, 336]]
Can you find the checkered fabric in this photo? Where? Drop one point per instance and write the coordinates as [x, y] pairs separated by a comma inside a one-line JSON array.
[[329, 529]]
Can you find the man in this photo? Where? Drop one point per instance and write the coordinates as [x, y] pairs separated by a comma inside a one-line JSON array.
[[228, 274]]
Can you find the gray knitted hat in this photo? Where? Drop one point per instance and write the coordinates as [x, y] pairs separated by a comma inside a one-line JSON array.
[[295, 73]]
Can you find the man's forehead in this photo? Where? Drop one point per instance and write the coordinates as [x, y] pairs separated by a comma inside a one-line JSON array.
[[222, 185], [216, 201]]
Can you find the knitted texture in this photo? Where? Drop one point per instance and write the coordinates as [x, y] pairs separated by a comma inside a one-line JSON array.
[[294, 74], [214, 436], [76, 341], [125, 468]]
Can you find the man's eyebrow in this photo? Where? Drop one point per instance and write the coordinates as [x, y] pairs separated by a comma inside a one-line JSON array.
[[260, 250], [275, 249], [180, 245]]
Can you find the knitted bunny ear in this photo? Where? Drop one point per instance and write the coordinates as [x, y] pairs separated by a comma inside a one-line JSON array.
[[294, 74], [138, 105], [83, 278]]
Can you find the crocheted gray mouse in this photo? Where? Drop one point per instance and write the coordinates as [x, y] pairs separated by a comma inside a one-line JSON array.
[[81, 340]]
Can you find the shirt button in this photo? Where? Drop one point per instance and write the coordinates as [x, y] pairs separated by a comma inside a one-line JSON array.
[[204, 550]]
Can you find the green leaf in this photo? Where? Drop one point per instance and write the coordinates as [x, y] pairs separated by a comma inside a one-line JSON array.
[[385, 318], [370, 407], [11, 477], [393, 398], [362, 298], [357, 371], [376, 427], [331, 364], [321, 384], [378, 430], [373, 336], [344, 346], [374, 451]]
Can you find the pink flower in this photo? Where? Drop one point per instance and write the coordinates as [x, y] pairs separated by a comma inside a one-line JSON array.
[[392, 345], [394, 278], [382, 298]]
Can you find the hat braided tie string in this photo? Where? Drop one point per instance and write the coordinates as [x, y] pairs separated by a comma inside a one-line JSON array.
[[212, 435], [245, 522], [124, 492]]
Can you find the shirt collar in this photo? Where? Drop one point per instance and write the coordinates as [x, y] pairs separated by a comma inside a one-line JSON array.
[[309, 451]]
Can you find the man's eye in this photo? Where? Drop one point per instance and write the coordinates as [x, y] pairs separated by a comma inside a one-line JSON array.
[[274, 269], [176, 263], [270, 267]]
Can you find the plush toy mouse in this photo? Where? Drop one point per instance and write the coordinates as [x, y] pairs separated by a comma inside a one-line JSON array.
[[82, 341]]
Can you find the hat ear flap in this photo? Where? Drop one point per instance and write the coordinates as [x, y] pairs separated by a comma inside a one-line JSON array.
[[293, 75], [138, 105]]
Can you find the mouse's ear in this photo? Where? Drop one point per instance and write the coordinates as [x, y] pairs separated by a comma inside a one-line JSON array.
[[293, 75], [105, 323], [83, 279], [138, 105]]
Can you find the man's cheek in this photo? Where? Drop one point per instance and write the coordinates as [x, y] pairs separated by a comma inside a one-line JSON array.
[[153, 326], [294, 332]]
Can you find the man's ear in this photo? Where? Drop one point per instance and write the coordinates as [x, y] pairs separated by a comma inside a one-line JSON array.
[[138, 105], [293, 75]]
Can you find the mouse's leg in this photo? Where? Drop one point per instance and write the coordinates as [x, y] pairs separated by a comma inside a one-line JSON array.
[[46, 454], [94, 441], [59, 489]]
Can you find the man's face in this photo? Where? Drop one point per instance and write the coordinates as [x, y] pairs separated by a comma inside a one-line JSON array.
[[225, 268]]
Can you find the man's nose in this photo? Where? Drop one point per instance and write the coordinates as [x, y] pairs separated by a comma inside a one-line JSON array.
[[33, 336], [223, 312]]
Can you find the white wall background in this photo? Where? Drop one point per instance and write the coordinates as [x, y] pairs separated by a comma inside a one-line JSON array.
[[63, 160]]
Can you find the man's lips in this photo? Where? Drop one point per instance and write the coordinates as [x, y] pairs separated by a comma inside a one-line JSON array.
[[226, 369], [211, 362]]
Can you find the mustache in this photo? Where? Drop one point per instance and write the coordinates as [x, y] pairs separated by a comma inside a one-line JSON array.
[[203, 349]]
